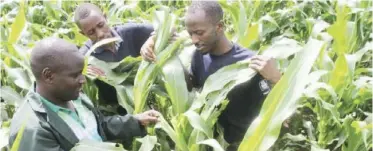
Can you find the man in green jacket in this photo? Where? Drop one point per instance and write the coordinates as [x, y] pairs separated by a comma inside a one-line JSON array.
[[56, 114]]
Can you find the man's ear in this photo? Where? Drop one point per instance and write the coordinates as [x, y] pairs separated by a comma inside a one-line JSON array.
[[220, 26], [47, 75]]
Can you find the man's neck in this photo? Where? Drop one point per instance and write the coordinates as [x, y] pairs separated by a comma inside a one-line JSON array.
[[52, 99], [223, 46]]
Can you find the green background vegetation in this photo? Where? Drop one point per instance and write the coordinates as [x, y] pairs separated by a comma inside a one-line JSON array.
[[323, 47]]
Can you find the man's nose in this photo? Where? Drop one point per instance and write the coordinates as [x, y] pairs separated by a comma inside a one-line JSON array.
[[100, 34], [195, 39]]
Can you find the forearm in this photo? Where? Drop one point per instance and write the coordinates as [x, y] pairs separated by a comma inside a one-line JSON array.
[[122, 127]]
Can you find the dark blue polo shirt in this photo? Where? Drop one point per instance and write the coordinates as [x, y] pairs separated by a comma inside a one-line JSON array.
[[245, 100], [133, 36]]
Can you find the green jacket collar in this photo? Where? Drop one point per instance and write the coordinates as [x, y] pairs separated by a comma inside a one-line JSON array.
[[52, 117]]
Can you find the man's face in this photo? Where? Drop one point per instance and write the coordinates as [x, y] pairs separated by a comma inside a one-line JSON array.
[[95, 27], [68, 81], [203, 32]]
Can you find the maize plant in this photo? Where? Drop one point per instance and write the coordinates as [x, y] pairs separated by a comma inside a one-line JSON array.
[[323, 101]]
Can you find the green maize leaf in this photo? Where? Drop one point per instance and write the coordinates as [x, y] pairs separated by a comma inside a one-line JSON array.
[[148, 71], [362, 89], [101, 43], [163, 124], [125, 97], [169, 52], [252, 33], [164, 29], [174, 81], [23, 52], [4, 136], [332, 109], [310, 130], [339, 30], [318, 27], [192, 146], [317, 148], [213, 143], [316, 76], [242, 21], [295, 138], [195, 137], [238, 72], [144, 79], [354, 58], [339, 77], [325, 62], [277, 28], [23, 63], [148, 143], [214, 100], [312, 90], [50, 11], [282, 48], [358, 134], [18, 24], [93, 48], [281, 101], [19, 76], [215, 93], [126, 64], [85, 145], [198, 123], [365, 129], [212, 119], [118, 72], [10, 96], [84, 71], [270, 19], [19, 136]]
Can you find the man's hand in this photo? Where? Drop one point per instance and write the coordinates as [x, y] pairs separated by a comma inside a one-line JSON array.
[[266, 67], [148, 117], [94, 71], [147, 50]]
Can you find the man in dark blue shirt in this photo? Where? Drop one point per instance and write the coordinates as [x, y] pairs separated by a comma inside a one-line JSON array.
[[214, 51], [93, 24]]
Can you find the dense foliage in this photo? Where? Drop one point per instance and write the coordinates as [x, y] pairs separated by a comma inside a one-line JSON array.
[[322, 47]]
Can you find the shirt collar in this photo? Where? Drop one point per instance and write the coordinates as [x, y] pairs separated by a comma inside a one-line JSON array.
[[36, 101], [53, 107], [117, 43]]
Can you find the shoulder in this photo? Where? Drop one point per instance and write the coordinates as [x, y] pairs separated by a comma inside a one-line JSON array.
[[242, 52], [85, 47], [131, 26], [25, 118], [24, 115]]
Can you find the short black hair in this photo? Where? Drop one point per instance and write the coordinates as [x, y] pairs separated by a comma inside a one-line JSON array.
[[84, 10], [50, 52], [212, 9]]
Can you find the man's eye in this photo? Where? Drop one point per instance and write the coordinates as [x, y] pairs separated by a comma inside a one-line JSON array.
[[199, 33], [91, 32], [100, 25]]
